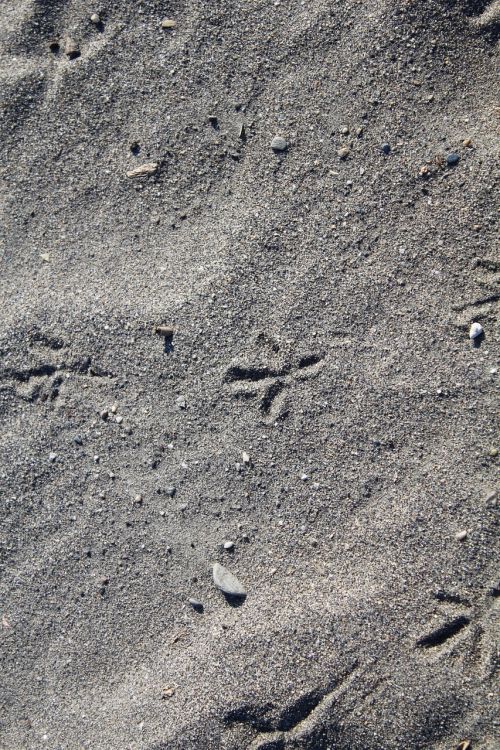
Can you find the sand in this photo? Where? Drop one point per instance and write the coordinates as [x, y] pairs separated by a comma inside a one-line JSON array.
[[320, 299]]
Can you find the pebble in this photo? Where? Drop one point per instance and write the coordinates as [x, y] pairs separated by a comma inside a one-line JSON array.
[[460, 536], [386, 148], [476, 330], [227, 582], [279, 144], [245, 457], [168, 23], [344, 152], [181, 402], [52, 457], [104, 415], [198, 606], [95, 18], [228, 546], [171, 491], [452, 159], [467, 143], [166, 331], [304, 477], [119, 419]]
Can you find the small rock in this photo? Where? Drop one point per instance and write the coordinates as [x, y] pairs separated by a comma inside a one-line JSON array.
[[467, 143], [166, 331], [78, 440], [181, 402], [52, 457], [493, 452], [476, 330], [144, 170], [228, 546], [345, 131], [304, 477], [245, 457], [168, 23], [95, 18], [198, 606], [183, 507], [279, 144], [119, 419], [343, 152], [227, 582], [171, 491], [452, 159], [104, 415], [385, 148], [138, 499], [45, 257], [460, 536]]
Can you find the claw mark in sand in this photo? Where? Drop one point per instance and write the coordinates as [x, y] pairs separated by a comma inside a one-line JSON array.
[[297, 721], [271, 384]]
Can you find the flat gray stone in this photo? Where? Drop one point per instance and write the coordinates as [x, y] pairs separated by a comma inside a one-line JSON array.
[[227, 582]]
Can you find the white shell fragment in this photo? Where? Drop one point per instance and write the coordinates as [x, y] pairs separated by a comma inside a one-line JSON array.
[[226, 582], [144, 170], [476, 330]]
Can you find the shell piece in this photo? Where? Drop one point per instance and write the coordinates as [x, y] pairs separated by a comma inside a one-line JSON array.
[[227, 582], [476, 330], [144, 170], [168, 23]]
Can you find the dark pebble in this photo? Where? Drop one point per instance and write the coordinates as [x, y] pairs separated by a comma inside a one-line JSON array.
[[452, 159], [386, 148]]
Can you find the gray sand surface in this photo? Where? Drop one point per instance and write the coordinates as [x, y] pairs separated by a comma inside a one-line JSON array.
[[320, 298]]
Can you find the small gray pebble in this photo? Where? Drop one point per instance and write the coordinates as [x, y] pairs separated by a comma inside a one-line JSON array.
[[198, 606], [279, 144], [228, 546], [386, 148], [452, 159], [52, 457], [171, 491], [181, 402]]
